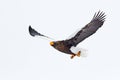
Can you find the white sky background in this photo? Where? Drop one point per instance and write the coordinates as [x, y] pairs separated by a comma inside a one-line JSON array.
[[23, 57]]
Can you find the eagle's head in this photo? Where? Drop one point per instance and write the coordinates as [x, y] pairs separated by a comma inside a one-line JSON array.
[[59, 45], [54, 43]]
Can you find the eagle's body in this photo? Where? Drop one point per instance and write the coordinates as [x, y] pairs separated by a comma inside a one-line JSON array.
[[62, 46], [65, 45]]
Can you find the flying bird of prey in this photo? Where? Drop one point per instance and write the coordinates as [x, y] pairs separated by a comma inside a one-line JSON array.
[[67, 45]]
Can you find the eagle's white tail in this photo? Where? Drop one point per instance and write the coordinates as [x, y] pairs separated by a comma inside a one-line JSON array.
[[76, 50], [83, 52]]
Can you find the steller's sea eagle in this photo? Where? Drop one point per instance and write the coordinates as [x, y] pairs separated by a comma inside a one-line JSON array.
[[67, 45]]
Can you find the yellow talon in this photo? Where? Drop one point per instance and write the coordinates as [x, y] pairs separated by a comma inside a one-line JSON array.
[[78, 54], [73, 56]]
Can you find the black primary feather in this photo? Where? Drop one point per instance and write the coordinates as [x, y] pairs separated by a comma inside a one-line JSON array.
[[89, 29], [33, 32]]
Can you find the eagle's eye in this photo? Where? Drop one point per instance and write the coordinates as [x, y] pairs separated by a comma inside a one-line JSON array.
[[52, 43]]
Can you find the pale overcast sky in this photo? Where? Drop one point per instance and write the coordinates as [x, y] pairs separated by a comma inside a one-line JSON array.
[[23, 57]]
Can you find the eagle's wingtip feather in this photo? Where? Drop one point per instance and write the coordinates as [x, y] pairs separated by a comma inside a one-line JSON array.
[[32, 31], [100, 15]]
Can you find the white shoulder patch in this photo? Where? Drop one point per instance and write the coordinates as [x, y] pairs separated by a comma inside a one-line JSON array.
[[77, 49]]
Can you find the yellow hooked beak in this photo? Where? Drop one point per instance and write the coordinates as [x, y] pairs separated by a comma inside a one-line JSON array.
[[52, 43]]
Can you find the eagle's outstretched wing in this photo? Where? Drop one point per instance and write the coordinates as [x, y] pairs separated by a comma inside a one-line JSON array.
[[33, 33], [89, 29]]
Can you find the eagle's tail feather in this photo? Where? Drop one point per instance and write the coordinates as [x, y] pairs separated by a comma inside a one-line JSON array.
[[83, 52]]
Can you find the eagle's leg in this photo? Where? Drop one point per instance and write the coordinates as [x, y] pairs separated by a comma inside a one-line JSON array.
[[78, 54], [73, 55]]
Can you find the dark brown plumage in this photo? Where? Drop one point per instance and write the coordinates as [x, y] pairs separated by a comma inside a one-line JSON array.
[[89, 29], [85, 32]]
